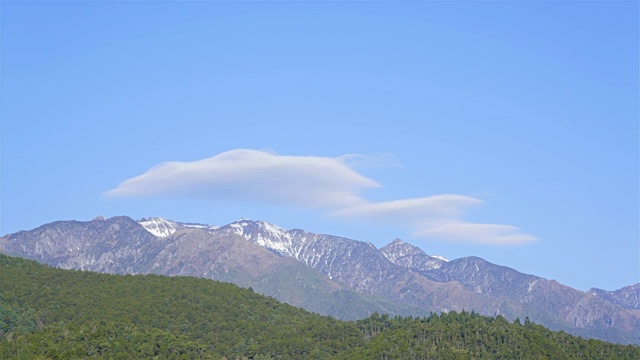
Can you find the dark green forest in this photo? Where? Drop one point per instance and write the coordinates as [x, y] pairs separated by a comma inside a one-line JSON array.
[[48, 313]]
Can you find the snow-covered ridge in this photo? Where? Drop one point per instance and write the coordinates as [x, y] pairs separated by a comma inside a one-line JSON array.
[[295, 243], [264, 234], [199, 226], [286, 243], [158, 226], [162, 228], [439, 257]]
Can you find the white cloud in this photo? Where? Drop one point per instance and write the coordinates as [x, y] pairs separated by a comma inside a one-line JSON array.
[[307, 181], [490, 234], [411, 210], [318, 182], [437, 217]]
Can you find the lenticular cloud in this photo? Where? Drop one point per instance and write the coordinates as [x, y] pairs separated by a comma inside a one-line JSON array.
[[327, 183], [254, 175]]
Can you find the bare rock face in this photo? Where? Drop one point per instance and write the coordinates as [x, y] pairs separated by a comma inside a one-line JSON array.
[[327, 274], [627, 297], [117, 245], [411, 257]]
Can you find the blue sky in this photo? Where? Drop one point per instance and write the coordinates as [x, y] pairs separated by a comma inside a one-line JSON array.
[[502, 130]]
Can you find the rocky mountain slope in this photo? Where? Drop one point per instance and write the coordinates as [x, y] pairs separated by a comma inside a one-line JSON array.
[[627, 297], [328, 274]]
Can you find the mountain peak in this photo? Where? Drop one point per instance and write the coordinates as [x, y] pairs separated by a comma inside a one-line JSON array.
[[256, 224], [262, 233], [411, 257], [398, 248]]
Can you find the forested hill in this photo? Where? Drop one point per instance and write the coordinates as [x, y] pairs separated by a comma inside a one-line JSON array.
[[51, 313]]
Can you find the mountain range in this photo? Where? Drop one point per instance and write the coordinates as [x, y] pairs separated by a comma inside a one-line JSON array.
[[327, 274]]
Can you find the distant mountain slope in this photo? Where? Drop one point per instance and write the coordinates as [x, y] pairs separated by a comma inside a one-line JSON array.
[[627, 297], [116, 245], [321, 272]]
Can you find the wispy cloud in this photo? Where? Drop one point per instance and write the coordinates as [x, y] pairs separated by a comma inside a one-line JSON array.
[[318, 182], [437, 217], [412, 210], [489, 234]]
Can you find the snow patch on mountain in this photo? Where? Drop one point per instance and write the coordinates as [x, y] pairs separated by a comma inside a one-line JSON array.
[[439, 257], [532, 284], [237, 228], [199, 226], [162, 227], [158, 226], [264, 234]]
